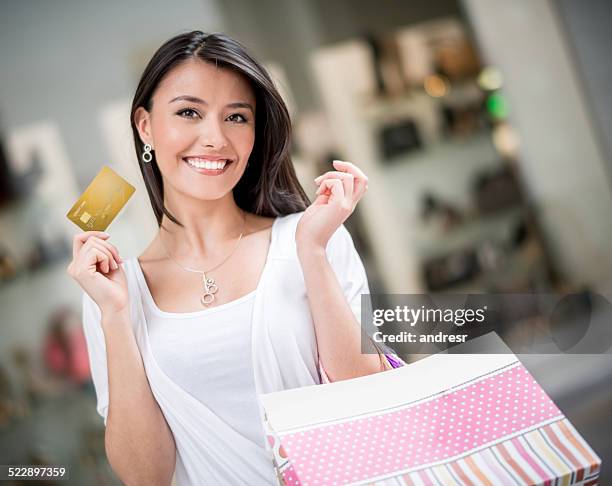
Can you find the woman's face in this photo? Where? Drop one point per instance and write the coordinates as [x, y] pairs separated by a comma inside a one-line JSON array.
[[202, 128]]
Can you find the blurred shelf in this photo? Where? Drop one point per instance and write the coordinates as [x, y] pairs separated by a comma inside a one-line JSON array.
[[28, 301], [495, 226], [26, 278], [62, 430]]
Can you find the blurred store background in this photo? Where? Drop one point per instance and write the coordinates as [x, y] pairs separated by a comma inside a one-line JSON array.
[[485, 127]]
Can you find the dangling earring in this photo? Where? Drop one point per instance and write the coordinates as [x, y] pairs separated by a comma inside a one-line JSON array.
[[146, 155]]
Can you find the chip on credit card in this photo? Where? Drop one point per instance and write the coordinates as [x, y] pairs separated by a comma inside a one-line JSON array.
[[101, 201]]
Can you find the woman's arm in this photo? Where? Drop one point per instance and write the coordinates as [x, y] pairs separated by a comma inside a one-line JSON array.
[[338, 332], [337, 329], [139, 444]]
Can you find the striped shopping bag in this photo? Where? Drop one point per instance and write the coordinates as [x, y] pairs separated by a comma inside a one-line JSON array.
[[449, 419]]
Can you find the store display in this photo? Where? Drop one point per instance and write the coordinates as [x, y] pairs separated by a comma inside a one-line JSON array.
[[455, 268], [399, 138], [498, 190]]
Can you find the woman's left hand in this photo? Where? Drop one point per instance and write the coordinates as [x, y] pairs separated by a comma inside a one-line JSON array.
[[338, 194]]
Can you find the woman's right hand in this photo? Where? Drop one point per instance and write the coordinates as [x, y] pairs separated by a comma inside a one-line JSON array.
[[96, 266]]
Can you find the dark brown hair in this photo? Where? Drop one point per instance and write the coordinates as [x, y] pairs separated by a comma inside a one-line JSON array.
[[269, 185]]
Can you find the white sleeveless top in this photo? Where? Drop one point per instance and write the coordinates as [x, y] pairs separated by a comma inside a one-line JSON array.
[[215, 445], [208, 354]]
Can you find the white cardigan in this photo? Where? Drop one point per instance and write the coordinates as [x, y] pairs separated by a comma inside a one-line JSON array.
[[284, 353]]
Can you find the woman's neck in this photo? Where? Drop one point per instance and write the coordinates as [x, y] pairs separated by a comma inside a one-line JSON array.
[[210, 228]]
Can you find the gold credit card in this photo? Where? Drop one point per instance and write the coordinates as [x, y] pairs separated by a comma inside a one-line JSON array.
[[101, 201]]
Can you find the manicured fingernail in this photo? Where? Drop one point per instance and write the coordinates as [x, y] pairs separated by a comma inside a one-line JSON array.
[[339, 161]]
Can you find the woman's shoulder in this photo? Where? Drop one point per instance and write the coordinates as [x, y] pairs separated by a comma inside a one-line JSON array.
[[283, 236], [340, 243]]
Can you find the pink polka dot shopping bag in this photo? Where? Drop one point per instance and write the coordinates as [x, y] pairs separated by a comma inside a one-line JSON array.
[[448, 419]]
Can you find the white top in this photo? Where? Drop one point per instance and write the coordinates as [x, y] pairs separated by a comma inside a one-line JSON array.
[[283, 355], [208, 354]]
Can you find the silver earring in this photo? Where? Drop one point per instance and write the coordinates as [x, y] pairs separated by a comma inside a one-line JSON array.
[[146, 155]]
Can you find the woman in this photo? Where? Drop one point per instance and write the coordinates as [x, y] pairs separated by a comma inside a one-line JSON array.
[[245, 289]]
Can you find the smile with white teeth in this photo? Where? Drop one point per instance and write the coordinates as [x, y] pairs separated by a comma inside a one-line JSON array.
[[205, 164]]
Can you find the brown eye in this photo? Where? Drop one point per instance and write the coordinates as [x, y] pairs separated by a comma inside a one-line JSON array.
[[188, 113], [242, 117]]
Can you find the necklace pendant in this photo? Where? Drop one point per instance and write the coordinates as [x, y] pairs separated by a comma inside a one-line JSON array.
[[210, 288]]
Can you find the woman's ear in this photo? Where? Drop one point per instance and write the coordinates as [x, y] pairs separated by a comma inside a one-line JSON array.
[[142, 120]]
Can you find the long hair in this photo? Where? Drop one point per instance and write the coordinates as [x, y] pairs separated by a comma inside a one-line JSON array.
[[269, 185]]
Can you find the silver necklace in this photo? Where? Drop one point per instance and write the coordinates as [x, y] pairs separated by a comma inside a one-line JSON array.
[[210, 287]]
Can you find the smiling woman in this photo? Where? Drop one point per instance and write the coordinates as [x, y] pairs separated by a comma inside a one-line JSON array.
[[211, 164], [246, 289], [237, 93]]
